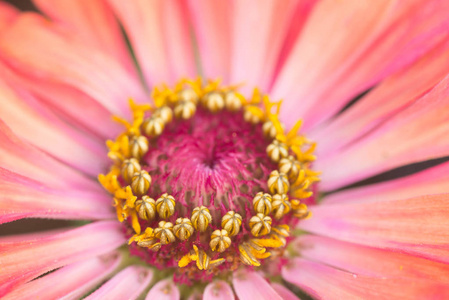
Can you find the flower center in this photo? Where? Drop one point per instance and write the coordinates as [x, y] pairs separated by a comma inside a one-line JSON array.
[[207, 180]]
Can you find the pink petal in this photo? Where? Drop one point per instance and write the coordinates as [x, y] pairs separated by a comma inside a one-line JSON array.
[[21, 197], [383, 102], [128, 284], [8, 13], [26, 259], [250, 285], [415, 134], [430, 181], [49, 53], [26, 117], [370, 261], [211, 24], [255, 44], [164, 290], [325, 282], [70, 282], [218, 290], [284, 292], [93, 21], [24, 159], [159, 34], [331, 64], [416, 226]]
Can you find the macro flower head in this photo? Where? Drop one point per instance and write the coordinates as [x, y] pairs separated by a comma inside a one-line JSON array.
[[238, 149]]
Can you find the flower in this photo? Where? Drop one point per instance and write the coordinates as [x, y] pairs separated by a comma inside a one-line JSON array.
[[64, 76]]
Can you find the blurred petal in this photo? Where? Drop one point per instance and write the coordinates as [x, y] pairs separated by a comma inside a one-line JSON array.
[[24, 260], [417, 133], [70, 282], [327, 283], [159, 34], [211, 21], [430, 181], [128, 284], [370, 261], [415, 226], [164, 290], [284, 292], [250, 285], [218, 290], [55, 137], [390, 97], [8, 13], [95, 23], [384, 37], [24, 159], [21, 197]]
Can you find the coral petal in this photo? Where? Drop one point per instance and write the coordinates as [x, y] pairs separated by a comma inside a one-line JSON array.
[[7, 14], [325, 282], [23, 260], [250, 285], [73, 281], [164, 290], [218, 290], [415, 226], [128, 284]]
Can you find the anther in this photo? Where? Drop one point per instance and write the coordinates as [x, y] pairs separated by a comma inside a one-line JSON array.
[[262, 203], [291, 167], [201, 218], [278, 183], [260, 225], [269, 130], [165, 206], [185, 110], [188, 95], [140, 183], [153, 126], [203, 260], [146, 208], [214, 101], [165, 232], [220, 240], [183, 229], [281, 232], [233, 102], [252, 114], [165, 113], [281, 206], [300, 210], [129, 168], [231, 222], [138, 146], [277, 150]]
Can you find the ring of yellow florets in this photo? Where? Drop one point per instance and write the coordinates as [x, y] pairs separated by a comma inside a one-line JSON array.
[[293, 179]]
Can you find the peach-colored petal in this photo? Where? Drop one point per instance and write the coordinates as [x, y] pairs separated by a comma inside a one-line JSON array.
[[390, 97], [325, 282], [7, 14], [218, 290], [21, 197], [284, 292], [417, 133], [159, 34], [70, 282], [93, 21], [370, 261], [211, 22], [255, 44], [430, 181], [24, 159], [164, 290], [128, 284], [330, 64], [49, 53], [55, 137], [416, 226], [26, 259], [250, 285]]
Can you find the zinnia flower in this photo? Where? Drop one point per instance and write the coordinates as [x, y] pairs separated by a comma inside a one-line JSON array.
[[160, 124]]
